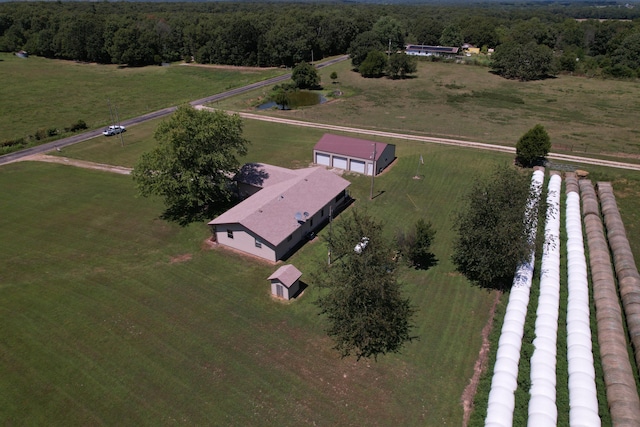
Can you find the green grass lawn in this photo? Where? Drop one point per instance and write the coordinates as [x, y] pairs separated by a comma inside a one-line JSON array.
[[581, 115], [39, 93], [109, 315]]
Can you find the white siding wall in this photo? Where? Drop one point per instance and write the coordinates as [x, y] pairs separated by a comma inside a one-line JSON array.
[[244, 241]]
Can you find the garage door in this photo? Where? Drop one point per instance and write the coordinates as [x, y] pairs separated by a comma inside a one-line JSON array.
[[340, 162], [323, 159], [357, 166]]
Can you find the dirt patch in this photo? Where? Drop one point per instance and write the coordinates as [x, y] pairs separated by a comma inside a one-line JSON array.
[[481, 364], [180, 258], [78, 163]]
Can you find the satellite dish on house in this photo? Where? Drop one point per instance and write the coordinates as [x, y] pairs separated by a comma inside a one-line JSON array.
[[306, 214], [298, 216]]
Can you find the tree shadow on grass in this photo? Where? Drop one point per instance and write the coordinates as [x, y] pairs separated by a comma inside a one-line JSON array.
[[425, 262]]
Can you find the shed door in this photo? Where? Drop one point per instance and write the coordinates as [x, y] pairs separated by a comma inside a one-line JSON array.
[[279, 291], [340, 162], [357, 166], [323, 159]]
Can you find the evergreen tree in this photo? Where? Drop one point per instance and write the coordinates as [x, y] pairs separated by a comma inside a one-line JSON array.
[[533, 146]]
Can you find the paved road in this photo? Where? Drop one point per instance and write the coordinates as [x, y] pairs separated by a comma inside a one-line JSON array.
[[50, 146]]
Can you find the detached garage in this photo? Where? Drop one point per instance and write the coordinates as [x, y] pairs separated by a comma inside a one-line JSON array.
[[353, 154]]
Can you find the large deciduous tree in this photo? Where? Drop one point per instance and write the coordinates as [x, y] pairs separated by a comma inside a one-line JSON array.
[[363, 44], [390, 32], [361, 297], [523, 62], [198, 150], [493, 228], [533, 146], [374, 65], [305, 76], [452, 36], [401, 64]]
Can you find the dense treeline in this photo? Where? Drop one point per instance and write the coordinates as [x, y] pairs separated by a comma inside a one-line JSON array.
[[578, 37]]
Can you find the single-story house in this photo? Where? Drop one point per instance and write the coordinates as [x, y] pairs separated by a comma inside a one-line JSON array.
[[285, 282], [282, 208], [353, 154], [425, 50]]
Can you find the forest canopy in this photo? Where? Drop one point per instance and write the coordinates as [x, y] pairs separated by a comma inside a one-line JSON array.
[[583, 37]]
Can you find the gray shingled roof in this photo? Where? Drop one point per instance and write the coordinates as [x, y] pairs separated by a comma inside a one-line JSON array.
[[263, 175], [350, 147], [287, 275], [271, 212]]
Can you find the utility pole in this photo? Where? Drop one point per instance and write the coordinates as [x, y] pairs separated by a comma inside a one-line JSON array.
[[119, 127], [330, 223], [113, 122], [373, 172]]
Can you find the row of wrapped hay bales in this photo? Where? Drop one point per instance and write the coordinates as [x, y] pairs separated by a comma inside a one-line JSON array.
[[542, 402], [624, 263], [505, 373], [583, 395], [622, 395]]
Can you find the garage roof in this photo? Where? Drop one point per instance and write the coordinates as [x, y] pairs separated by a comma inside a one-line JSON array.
[[349, 147]]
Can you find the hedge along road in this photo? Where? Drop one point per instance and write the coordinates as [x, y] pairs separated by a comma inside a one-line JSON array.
[[60, 143]]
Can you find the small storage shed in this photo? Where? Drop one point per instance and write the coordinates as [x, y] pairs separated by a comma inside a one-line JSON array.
[[353, 154], [285, 282]]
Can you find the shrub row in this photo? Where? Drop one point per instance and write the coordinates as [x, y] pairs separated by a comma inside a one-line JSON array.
[[41, 134]]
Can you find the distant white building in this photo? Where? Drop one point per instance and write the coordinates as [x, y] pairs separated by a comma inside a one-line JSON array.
[[425, 50]]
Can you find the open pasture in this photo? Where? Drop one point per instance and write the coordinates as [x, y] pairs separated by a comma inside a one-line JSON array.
[[583, 116], [39, 93]]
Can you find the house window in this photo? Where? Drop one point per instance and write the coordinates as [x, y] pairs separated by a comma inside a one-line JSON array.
[[322, 213], [311, 222], [258, 243], [289, 238], [230, 234], [279, 291], [339, 196]]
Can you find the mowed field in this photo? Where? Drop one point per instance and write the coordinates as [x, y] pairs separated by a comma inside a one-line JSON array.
[[109, 315], [39, 93], [583, 116]]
